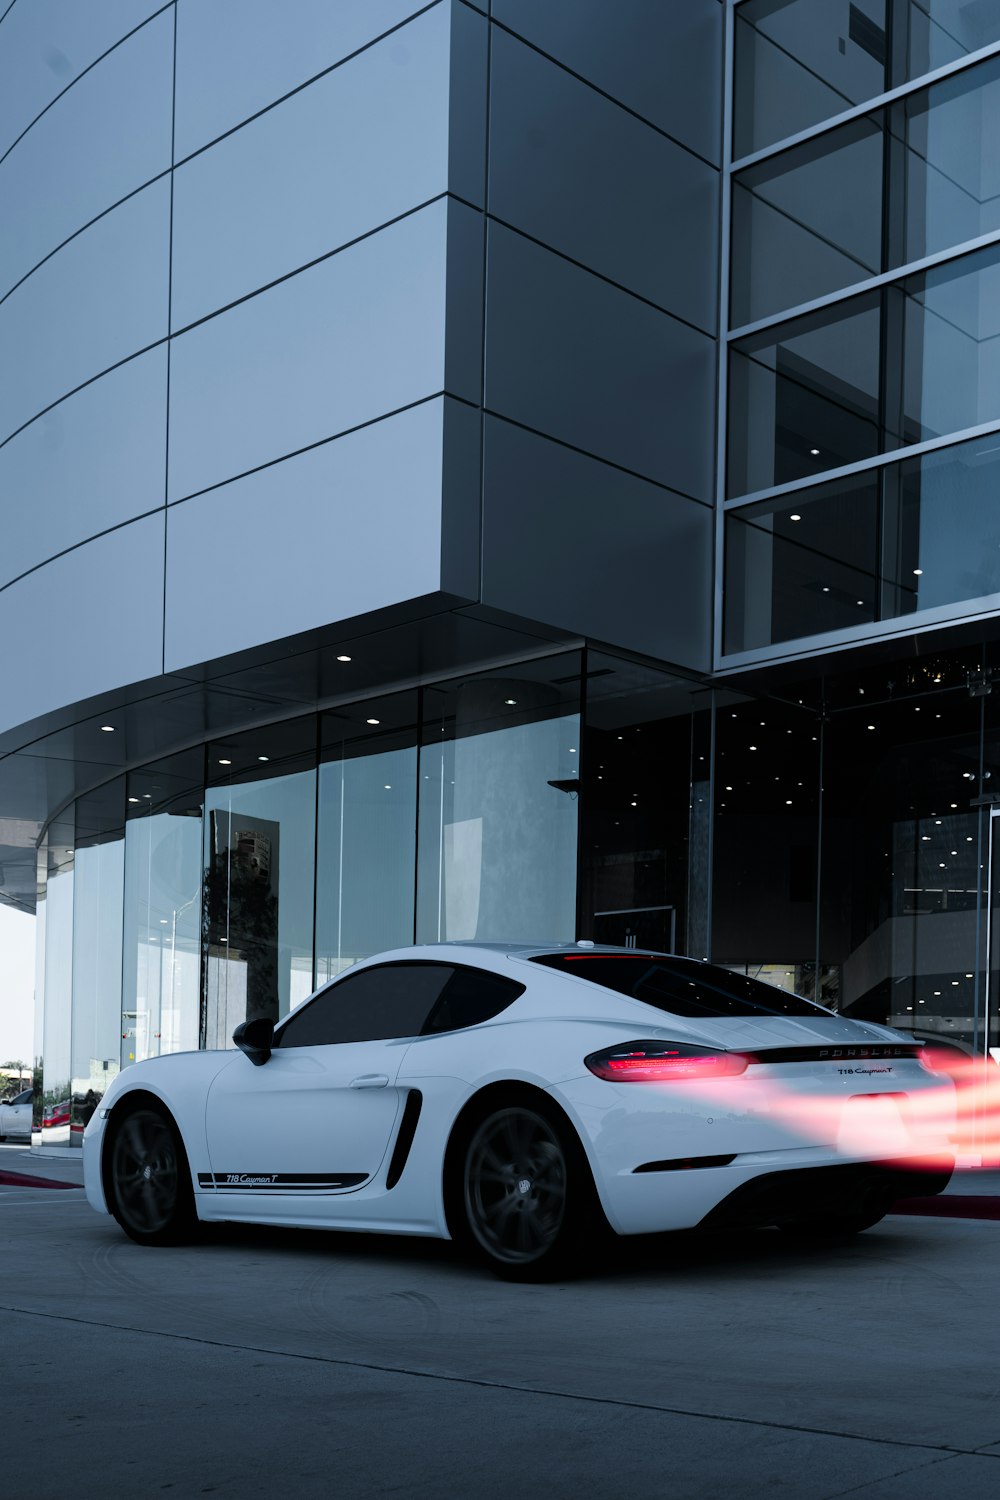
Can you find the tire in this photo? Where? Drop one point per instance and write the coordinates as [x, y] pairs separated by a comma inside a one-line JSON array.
[[148, 1180], [525, 1204]]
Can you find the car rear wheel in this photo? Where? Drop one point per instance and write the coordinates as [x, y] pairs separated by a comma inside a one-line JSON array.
[[150, 1184], [529, 1208]]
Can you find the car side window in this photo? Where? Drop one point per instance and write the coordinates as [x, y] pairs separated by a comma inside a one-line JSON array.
[[472, 996], [374, 1004]]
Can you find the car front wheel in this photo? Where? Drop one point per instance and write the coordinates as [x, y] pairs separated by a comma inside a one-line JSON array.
[[150, 1184], [529, 1208]]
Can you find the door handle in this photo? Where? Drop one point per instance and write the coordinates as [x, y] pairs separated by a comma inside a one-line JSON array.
[[370, 1081]]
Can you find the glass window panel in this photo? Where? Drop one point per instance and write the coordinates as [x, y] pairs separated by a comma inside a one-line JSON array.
[[389, 1000], [97, 949], [637, 806], [942, 528], [105, 137], [805, 397], [499, 782], [161, 996], [808, 222], [952, 188], [942, 31], [366, 854], [766, 840], [260, 837], [798, 62], [951, 355], [802, 564], [470, 997], [57, 1009]]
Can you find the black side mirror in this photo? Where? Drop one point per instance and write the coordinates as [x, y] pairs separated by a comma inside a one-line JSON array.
[[255, 1038]]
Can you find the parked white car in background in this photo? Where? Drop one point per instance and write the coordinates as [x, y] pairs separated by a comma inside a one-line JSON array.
[[524, 1101], [15, 1115]]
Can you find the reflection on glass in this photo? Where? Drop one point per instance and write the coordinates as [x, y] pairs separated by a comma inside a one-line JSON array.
[[808, 222], [499, 785], [941, 528], [162, 933], [952, 190], [97, 950], [805, 397], [365, 872], [864, 376], [765, 886], [799, 62], [802, 564], [257, 908], [951, 349], [637, 806], [58, 1001]]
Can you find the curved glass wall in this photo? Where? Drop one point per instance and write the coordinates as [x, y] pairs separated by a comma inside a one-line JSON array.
[[833, 838]]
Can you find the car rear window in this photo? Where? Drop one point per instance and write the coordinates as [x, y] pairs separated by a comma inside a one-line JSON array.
[[681, 986]]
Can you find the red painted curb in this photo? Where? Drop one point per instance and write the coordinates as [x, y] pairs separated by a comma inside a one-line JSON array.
[[953, 1206], [21, 1179]]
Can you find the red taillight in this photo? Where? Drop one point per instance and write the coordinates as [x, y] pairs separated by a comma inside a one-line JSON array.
[[663, 1062]]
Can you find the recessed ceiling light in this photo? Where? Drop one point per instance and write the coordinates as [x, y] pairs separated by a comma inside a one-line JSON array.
[[163, 921], [510, 702], [133, 799], [572, 749], [814, 452], [373, 721], [871, 726], [795, 516], [343, 658], [788, 801], [107, 729], [728, 788], [826, 589], [753, 747], [918, 572], [263, 757], [225, 762], [388, 786]]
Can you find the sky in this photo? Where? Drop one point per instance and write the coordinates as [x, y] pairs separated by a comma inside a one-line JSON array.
[[17, 985]]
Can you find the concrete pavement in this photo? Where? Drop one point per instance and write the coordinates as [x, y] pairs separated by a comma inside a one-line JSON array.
[[353, 1365]]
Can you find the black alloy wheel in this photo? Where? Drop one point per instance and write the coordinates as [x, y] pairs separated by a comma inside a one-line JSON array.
[[150, 1185], [530, 1209]]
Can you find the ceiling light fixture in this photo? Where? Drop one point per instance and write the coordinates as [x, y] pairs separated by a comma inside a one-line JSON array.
[[225, 762], [373, 721], [795, 516], [343, 658], [107, 729]]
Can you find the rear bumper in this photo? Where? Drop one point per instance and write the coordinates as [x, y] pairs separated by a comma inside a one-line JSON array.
[[846, 1190]]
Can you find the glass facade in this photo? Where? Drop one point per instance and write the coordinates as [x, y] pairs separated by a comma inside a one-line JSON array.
[[860, 351]]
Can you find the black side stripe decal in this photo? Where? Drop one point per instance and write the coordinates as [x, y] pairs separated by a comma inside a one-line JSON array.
[[280, 1182], [404, 1140]]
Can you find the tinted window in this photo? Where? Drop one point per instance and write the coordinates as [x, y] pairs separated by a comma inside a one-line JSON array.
[[387, 1001], [681, 986], [471, 996]]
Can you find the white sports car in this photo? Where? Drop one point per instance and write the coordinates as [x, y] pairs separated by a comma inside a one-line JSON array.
[[522, 1100]]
